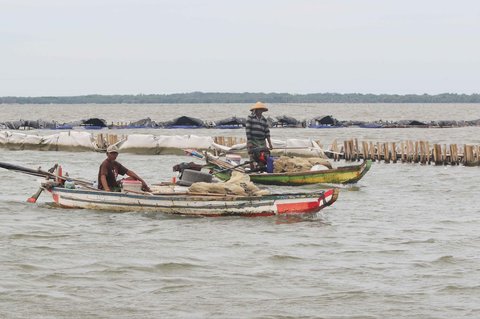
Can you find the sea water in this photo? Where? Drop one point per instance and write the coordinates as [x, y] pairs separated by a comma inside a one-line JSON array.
[[403, 242]]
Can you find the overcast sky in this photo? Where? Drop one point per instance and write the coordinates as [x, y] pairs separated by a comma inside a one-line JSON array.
[[78, 47]]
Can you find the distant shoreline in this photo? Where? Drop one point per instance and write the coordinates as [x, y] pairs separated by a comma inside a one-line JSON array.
[[228, 98]]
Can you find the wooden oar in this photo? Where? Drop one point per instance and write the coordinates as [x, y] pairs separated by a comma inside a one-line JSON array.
[[40, 173], [29, 171], [233, 167]]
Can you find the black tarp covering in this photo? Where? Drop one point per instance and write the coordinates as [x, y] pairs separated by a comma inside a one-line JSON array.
[[232, 121], [406, 123], [415, 122], [143, 123], [94, 122], [184, 121], [13, 125], [286, 121], [324, 120], [36, 124]]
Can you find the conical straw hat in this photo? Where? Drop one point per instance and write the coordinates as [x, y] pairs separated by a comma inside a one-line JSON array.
[[258, 106]]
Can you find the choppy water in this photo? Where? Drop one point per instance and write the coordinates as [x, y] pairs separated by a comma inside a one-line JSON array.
[[403, 243]]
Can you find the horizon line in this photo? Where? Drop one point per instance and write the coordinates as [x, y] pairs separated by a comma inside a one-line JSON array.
[[235, 93]]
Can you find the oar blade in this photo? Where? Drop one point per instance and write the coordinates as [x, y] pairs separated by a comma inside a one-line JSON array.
[[34, 197]]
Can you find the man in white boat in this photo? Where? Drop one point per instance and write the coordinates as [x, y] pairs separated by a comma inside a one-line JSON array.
[[258, 134], [110, 169]]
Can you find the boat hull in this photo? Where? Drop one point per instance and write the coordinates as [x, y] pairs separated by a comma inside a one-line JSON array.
[[196, 205], [341, 175]]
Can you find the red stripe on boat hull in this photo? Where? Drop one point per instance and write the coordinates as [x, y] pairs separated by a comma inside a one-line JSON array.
[[305, 207], [300, 208]]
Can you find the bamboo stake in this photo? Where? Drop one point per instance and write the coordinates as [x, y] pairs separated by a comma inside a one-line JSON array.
[[401, 152], [334, 149], [453, 154], [429, 154], [372, 151], [386, 154], [378, 151], [423, 151], [416, 157], [409, 151], [337, 157], [444, 154], [394, 152], [365, 150], [476, 151], [357, 157], [468, 158], [352, 150], [437, 154]]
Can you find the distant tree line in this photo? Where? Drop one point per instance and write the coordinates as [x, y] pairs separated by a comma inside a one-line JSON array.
[[201, 97]]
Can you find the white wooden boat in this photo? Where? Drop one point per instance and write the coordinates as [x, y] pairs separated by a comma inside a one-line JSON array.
[[76, 193], [194, 203]]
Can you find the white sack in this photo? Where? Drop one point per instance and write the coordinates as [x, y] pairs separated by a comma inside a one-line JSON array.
[[74, 139], [139, 141], [185, 141]]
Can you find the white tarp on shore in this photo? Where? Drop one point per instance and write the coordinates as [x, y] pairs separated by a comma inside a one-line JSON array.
[[163, 141], [145, 143], [163, 144], [74, 140], [71, 140]]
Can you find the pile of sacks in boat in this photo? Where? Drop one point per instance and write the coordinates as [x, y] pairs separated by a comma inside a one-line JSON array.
[[238, 184], [287, 164]]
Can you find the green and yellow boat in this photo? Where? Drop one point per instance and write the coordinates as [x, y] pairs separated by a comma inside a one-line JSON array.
[[340, 175]]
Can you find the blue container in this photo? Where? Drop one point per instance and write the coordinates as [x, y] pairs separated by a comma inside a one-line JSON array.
[[270, 161]]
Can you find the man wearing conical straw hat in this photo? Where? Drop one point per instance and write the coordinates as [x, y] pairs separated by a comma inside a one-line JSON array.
[[258, 132]]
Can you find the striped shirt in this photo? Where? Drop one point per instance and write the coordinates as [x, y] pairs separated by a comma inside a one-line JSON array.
[[257, 129]]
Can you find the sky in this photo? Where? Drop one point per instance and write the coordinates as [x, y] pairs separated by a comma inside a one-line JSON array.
[[80, 47]]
